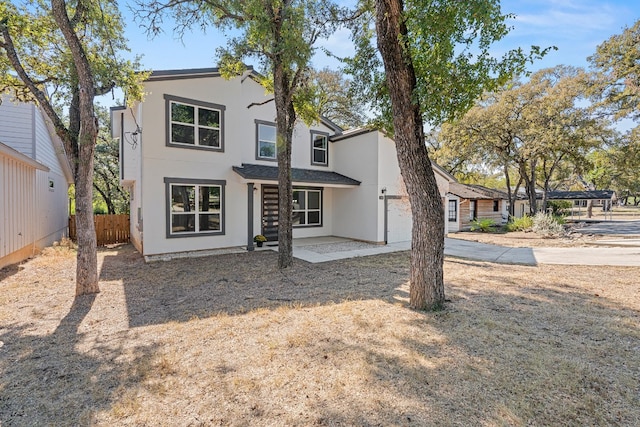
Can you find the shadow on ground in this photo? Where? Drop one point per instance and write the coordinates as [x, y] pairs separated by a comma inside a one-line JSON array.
[[47, 380], [183, 289]]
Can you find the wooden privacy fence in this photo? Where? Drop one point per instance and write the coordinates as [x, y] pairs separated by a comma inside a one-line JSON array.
[[109, 228]]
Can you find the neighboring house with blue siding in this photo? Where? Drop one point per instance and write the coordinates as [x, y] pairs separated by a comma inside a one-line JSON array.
[[34, 182]]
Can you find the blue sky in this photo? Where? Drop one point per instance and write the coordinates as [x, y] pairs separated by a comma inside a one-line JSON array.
[[576, 27]]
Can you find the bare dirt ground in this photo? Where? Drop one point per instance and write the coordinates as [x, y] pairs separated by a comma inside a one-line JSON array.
[[230, 340], [521, 239]]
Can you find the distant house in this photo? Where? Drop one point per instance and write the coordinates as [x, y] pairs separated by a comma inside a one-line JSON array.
[[199, 158], [475, 202], [579, 199], [34, 183]]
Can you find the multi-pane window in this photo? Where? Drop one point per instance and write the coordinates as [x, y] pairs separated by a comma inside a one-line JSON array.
[[195, 124], [266, 134], [195, 208], [319, 149], [307, 207], [453, 210]]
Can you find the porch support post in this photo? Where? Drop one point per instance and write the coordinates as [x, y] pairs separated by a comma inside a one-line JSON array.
[[386, 215], [250, 216]]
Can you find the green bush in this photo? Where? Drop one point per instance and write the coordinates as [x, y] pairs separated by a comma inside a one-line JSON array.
[[483, 224], [524, 223], [560, 207], [547, 225]]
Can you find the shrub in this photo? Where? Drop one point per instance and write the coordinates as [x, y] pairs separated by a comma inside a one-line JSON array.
[[560, 207], [259, 238], [520, 224], [547, 225], [482, 224]]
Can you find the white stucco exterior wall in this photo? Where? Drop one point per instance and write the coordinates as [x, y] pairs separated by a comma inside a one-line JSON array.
[[155, 161], [358, 210]]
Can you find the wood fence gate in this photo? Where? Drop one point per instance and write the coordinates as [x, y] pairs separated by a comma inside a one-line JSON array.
[[109, 229]]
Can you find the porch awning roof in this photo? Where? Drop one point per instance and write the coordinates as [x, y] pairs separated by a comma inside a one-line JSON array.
[[270, 173]]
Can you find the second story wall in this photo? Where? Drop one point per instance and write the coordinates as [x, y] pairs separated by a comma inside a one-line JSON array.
[[202, 117], [17, 128]]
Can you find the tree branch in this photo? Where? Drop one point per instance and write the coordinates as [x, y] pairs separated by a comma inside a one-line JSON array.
[[38, 94]]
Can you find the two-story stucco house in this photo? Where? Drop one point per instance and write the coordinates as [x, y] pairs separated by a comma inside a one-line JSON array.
[[199, 157], [34, 182]]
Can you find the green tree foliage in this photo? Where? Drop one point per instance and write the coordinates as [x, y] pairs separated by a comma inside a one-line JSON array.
[[333, 98], [535, 132], [617, 167], [616, 88], [617, 63], [281, 35], [61, 56], [437, 61], [106, 169]]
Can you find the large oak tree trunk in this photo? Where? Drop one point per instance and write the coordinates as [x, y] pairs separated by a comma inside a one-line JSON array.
[[427, 240], [285, 121], [87, 265]]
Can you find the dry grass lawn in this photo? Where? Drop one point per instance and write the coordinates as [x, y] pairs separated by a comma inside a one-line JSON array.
[[230, 340]]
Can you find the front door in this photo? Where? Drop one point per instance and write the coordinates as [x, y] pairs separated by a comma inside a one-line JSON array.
[[270, 212]]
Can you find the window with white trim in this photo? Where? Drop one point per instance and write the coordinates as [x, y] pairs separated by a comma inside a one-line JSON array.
[[453, 210], [319, 149], [195, 207], [194, 124], [266, 141], [307, 207]]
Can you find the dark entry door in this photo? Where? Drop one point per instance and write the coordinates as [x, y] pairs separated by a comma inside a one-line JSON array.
[[270, 213]]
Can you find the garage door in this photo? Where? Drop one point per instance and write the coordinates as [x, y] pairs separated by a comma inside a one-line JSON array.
[[399, 220]]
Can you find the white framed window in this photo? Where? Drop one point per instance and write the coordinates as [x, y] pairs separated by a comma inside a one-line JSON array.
[[194, 124], [195, 207], [266, 147], [453, 210], [307, 207], [319, 149]]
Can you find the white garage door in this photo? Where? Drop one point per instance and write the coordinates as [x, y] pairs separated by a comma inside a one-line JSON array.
[[399, 220]]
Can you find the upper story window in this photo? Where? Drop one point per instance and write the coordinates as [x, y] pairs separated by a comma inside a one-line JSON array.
[[319, 149], [194, 124], [266, 148]]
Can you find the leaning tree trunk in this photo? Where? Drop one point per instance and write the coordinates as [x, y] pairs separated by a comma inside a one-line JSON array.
[[427, 241], [87, 265], [285, 121]]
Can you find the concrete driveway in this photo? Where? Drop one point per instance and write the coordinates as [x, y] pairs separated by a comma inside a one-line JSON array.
[[330, 249], [619, 228], [619, 256]]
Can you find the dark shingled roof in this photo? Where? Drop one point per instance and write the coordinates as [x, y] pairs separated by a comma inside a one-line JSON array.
[[469, 191], [580, 195], [270, 173]]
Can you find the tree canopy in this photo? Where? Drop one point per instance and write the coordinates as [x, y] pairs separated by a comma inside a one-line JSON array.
[[434, 61], [529, 130], [281, 35], [61, 56]]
